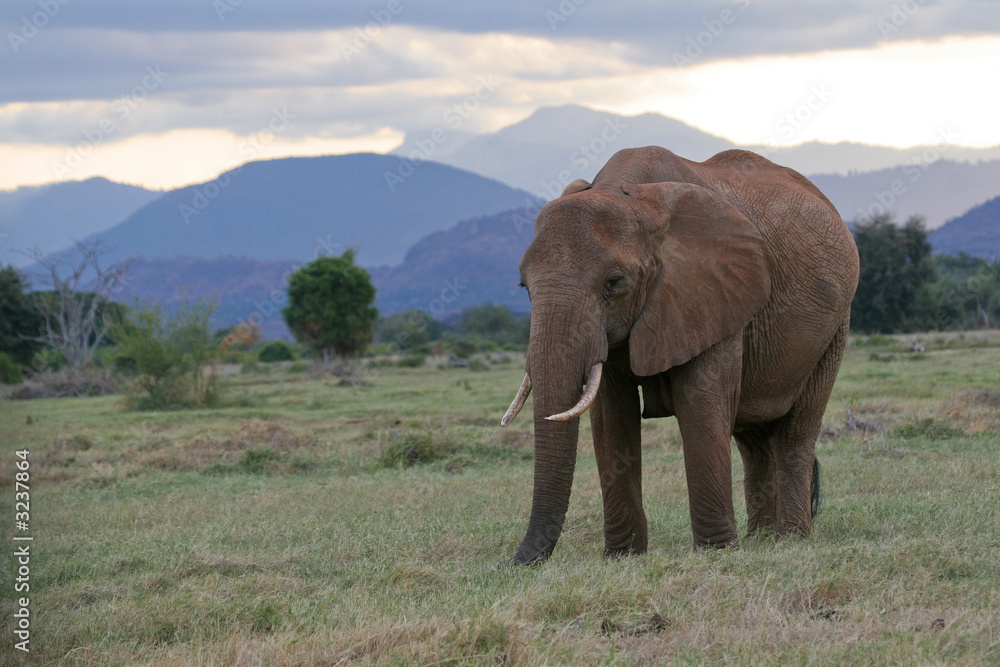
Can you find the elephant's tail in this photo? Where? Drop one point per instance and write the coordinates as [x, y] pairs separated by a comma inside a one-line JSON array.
[[815, 488]]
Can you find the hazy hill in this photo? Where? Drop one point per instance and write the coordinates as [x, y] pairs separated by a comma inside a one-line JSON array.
[[472, 262], [847, 158], [977, 232], [295, 208], [239, 287], [465, 265], [940, 191], [50, 217], [579, 140]]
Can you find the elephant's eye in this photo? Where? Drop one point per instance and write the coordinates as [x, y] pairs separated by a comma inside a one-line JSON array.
[[612, 282]]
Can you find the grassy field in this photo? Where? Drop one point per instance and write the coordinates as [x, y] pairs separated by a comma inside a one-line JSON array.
[[303, 523]]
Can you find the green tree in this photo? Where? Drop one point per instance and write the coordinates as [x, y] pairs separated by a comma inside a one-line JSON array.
[[330, 306], [896, 269], [20, 323], [276, 350], [496, 323], [408, 329], [966, 294]]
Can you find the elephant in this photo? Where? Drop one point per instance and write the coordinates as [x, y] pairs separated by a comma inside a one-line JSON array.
[[719, 289]]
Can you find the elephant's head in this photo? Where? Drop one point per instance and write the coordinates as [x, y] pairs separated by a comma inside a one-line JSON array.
[[666, 269]]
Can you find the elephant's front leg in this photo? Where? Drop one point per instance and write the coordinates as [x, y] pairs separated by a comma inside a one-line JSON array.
[[705, 393], [615, 420]]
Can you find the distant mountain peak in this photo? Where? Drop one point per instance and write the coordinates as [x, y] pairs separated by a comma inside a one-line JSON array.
[[976, 232]]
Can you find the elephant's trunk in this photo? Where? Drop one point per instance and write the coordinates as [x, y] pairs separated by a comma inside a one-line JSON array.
[[560, 356]]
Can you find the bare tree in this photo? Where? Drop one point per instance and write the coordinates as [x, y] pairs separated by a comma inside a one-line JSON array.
[[74, 312]]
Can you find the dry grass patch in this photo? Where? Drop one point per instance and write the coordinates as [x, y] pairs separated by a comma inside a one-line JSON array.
[[256, 447], [974, 411]]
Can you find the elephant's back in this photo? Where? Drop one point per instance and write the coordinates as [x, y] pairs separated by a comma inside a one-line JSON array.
[[814, 271], [812, 250]]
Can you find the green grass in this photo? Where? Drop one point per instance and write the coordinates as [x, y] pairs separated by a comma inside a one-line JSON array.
[[303, 523]]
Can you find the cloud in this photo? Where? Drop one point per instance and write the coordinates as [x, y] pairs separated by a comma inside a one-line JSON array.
[[354, 72], [652, 29]]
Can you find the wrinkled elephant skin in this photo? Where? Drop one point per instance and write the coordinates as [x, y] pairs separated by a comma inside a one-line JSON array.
[[721, 290]]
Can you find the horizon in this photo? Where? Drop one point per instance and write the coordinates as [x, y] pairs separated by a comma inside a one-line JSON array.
[[166, 187]]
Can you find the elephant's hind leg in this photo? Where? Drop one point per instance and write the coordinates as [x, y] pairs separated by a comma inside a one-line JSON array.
[[759, 481], [795, 442]]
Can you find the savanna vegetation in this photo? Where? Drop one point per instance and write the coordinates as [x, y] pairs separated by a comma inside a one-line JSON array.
[[205, 497], [298, 522]]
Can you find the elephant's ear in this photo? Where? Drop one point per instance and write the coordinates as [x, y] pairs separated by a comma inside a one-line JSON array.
[[713, 277], [579, 185]]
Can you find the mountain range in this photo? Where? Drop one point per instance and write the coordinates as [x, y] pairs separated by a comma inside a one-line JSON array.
[[437, 236], [556, 145], [48, 218], [297, 208], [976, 233]]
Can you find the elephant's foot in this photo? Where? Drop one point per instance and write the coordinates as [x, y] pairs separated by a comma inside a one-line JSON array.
[[760, 523], [801, 528], [635, 546], [628, 536], [530, 553], [724, 538]]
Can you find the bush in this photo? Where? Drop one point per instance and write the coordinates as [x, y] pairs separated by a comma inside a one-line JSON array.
[[49, 360], [407, 449], [10, 373], [478, 364], [928, 427], [170, 355], [276, 350], [412, 361]]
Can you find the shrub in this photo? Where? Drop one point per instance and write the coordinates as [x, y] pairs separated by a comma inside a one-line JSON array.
[[478, 364], [412, 361], [462, 348], [928, 427], [170, 355], [49, 360], [407, 449], [10, 373], [276, 350]]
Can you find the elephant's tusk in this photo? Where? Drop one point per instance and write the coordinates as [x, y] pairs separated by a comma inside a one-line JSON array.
[[589, 394], [518, 402]]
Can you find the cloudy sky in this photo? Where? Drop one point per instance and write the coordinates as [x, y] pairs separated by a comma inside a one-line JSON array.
[[168, 93]]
